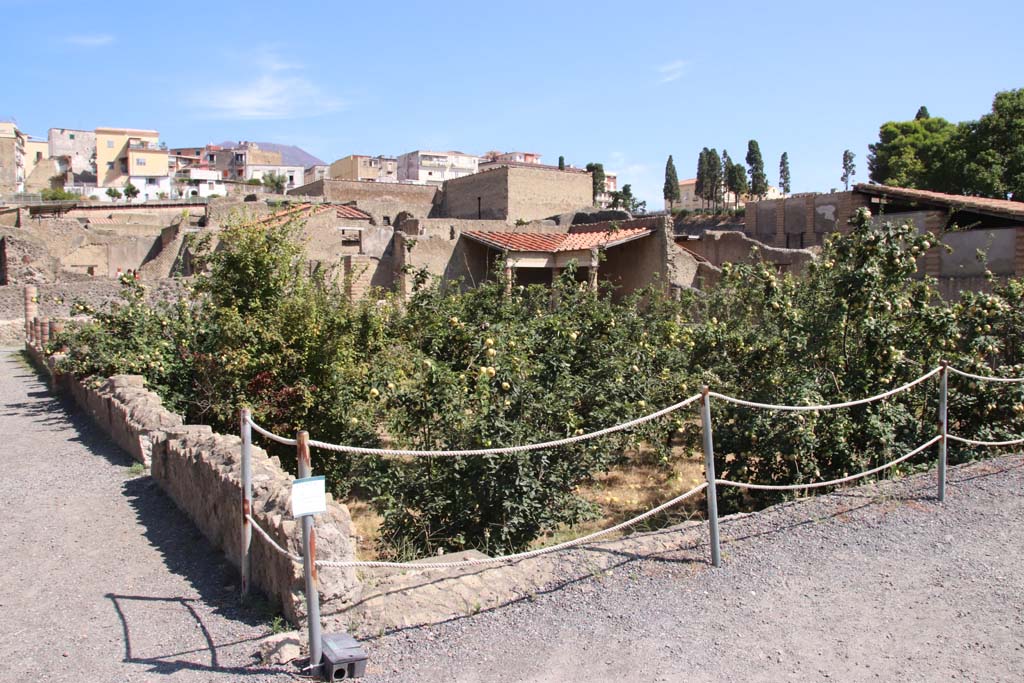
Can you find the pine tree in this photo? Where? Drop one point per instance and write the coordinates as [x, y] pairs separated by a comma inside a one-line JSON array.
[[784, 173], [849, 169], [755, 166], [671, 189], [922, 113]]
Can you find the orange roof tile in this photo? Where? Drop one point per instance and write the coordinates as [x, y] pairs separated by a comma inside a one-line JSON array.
[[576, 240]]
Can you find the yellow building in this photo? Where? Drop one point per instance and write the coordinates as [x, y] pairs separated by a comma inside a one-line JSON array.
[[122, 153], [35, 152], [12, 158], [360, 167]]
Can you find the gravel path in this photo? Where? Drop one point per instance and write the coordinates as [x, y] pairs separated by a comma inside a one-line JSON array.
[[876, 583], [103, 578]]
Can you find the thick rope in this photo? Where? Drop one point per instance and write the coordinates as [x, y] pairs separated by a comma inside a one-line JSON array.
[[272, 542], [507, 449], [983, 378], [518, 556], [1014, 442], [834, 482], [830, 406], [271, 435]]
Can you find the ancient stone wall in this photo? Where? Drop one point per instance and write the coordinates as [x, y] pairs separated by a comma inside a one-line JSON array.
[[200, 471], [56, 299], [720, 247], [383, 201]]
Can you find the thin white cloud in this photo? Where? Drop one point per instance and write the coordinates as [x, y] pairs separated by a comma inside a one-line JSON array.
[[278, 91], [672, 71], [93, 40]]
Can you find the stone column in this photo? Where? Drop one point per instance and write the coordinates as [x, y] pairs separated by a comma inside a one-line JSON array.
[[510, 274], [44, 332], [592, 271], [31, 308]]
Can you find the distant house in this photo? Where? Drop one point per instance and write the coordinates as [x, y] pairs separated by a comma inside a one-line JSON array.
[[434, 168], [315, 173], [362, 167], [131, 155], [12, 158], [248, 161]]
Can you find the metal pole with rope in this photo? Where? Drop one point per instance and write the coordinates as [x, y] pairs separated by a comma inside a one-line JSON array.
[[709, 472], [943, 429], [309, 559], [245, 560]]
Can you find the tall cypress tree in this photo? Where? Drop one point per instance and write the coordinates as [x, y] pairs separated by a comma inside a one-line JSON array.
[[561, 163], [702, 164], [755, 166], [713, 181], [726, 166], [849, 168], [671, 189], [597, 177], [784, 173]]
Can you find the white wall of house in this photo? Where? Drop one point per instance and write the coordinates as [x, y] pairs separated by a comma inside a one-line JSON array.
[[293, 174]]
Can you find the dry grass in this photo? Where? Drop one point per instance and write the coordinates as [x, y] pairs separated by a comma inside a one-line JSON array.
[[635, 486]]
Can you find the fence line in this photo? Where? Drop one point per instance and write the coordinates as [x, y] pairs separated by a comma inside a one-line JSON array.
[[834, 482], [310, 563]]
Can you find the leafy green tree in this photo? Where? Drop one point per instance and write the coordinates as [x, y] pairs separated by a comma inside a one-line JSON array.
[[597, 179], [130, 191], [784, 179], [916, 154], [849, 168], [922, 113], [755, 166], [561, 163], [671, 189], [275, 182], [113, 193], [992, 149]]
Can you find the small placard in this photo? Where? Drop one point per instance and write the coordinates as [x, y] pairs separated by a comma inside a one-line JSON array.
[[309, 496]]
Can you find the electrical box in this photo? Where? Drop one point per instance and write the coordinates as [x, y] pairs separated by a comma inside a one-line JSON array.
[[343, 657]]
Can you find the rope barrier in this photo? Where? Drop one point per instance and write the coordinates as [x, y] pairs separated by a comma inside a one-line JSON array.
[[833, 482], [983, 378], [1014, 442], [829, 406], [489, 451], [271, 435], [272, 542], [518, 556]]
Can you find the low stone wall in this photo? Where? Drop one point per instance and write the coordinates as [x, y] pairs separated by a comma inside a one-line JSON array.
[[56, 298], [200, 471]]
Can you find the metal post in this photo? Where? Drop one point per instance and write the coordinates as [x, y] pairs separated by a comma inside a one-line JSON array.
[[309, 560], [244, 558], [709, 469], [943, 426]]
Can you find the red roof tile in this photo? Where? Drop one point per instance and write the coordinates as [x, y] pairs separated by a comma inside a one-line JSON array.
[[577, 240], [352, 212]]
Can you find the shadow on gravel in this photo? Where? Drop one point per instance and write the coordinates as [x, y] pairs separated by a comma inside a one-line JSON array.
[[670, 557], [170, 663], [184, 550]]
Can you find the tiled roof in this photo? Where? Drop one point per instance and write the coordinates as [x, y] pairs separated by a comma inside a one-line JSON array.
[[1000, 207], [576, 240], [352, 212]]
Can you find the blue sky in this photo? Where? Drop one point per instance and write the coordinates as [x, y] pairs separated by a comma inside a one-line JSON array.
[[626, 84]]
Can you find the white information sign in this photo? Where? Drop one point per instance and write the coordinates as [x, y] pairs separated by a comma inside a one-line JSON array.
[[309, 496]]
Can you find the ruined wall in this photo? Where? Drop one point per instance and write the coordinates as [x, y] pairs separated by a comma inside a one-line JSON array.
[[441, 256], [641, 262], [801, 221], [516, 193], [200, 471], [56, 298], [540, 193], [720, 247], [481, 196], [383, 201]]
